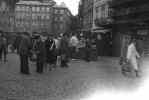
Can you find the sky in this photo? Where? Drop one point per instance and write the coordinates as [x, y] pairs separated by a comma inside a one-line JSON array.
[[71, 4]]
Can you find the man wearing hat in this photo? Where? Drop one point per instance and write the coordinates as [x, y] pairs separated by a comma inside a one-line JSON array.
[[24, 50]]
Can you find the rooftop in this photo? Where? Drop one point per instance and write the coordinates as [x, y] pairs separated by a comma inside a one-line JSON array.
[[23, 2], [62, 5]]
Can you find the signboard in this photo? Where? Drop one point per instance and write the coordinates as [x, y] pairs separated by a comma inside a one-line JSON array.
[[142, 32]]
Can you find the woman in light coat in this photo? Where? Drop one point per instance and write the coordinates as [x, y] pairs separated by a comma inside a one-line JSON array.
[[133, 55]]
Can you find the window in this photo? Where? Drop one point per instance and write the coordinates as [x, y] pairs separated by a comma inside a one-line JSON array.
[[61, 18], [37, 9], [42, 17], [43, 9], [62, 11], [33, 9], [56, 18], [47, 17], [48, 9], [18, 8], [55, 11]]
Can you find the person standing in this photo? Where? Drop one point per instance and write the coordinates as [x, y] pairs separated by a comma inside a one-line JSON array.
[[133, 55], [73, 45], [17, 42], [99, 45], [40, 52], [88, 49], [3, 47], [50, 52], [24, 51], [64, 50]]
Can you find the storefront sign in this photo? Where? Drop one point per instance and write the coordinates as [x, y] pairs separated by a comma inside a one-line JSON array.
[[142, 32]]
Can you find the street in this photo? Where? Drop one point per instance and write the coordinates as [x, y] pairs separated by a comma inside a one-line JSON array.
[[80, 79]]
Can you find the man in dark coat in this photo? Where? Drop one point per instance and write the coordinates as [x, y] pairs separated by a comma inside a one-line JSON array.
[[41, 53], [3, 47], [24, 51], [17, 42], [88, 49], [64, 50], [50, 51]]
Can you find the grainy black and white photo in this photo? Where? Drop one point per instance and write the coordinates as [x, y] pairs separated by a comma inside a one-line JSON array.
[[74, 49]]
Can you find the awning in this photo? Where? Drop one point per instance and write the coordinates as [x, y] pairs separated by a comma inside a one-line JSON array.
[[86, 29], [101, 31]]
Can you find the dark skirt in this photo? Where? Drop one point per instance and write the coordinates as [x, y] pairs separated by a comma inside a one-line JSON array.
[[51, 57]]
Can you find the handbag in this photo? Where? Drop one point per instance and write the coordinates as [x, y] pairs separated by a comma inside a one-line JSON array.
[[58, 62], [33, 57], [126, 67]]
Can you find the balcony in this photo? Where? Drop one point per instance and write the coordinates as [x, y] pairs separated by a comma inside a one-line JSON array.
[[103, 21], [131, 10], [126, 3]]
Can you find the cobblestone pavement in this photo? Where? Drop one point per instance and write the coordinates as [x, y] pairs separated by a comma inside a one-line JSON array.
[[77, 81]]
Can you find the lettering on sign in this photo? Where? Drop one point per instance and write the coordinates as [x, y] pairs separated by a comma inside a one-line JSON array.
[[142, 32]]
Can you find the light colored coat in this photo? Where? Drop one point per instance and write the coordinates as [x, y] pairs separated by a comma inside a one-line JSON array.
[[132, 56]]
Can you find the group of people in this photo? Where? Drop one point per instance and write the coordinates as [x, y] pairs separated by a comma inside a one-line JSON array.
[[45, 52], [48, 52], [55, 50]]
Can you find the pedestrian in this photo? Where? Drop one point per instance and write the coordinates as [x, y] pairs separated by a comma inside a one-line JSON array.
[[133, 55], [41, 56], [57, 50], [99, 45], [74, 41], [50, 52], [24, 51], [16, 42], [64, 50], [87, 50], [3, 47]]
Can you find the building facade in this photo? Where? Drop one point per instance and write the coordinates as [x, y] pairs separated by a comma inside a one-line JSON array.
[[61, 19], [101, 15], [7, 15], [34, 16], [131, 19], [86, 9]]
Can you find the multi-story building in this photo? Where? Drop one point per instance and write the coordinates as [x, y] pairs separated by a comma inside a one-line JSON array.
[[34, 16], [7, 15], [131, 18], [86, 15], [61, 19], [101, 15]]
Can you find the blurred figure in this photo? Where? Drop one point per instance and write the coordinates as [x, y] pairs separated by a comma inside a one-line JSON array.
[[41, 54], [73, 45], [99, 45], [3, 47], [50, 52], [24, 51], [133, 55], [17, 42], [88, 50], [64, 51], [57, 50]]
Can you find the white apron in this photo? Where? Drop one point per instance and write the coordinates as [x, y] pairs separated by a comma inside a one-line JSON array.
[[132, 56]]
